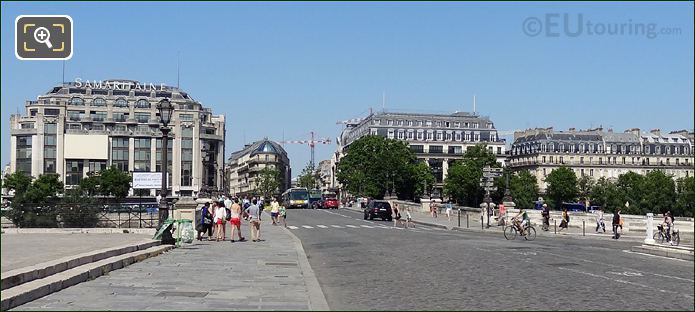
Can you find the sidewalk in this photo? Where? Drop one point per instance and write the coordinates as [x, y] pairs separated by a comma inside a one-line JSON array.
[[24, 250], [273, 274]]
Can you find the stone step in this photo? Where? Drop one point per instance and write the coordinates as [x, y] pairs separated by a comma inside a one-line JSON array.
[[665, 251], [27, 274], [38, 288]]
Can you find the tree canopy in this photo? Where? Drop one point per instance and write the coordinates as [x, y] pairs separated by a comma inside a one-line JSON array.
[[268, 182], [462, 182], [562, 186]]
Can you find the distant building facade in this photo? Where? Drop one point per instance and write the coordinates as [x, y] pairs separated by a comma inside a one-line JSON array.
[[243, 166], [436, 139], [597, 153], [81, 127]]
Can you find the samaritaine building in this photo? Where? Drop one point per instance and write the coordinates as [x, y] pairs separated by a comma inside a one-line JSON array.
[[86, 126], [597, 153]]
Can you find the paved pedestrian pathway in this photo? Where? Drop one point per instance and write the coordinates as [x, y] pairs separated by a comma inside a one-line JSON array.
[[273, 274], [27, 249]]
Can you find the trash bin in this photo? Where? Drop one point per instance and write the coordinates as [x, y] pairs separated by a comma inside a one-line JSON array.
[[185, 231]]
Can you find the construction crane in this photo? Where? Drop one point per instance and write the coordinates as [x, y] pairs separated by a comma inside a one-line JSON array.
[[312, 143], [349, 121]]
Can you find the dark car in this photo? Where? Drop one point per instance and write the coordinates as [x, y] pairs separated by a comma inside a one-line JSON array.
[[331, 203], [378, 208]]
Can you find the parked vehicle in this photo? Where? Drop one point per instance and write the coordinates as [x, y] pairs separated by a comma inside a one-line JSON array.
[[378, 208]]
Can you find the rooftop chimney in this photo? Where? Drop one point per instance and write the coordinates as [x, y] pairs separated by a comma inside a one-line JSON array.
[[656, 131]]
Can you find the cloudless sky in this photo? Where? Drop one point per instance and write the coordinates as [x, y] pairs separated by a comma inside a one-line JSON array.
[[292, 68]]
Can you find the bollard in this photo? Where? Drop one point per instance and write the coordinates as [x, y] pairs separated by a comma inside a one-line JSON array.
[[459, 217], [555, 221], [466, 219], [583, 228], [482, 227]]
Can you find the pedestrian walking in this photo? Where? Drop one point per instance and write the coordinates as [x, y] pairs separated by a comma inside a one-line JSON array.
[[274, 210], [502, 211], [449, 207], [219, 219], [546, 217], [408, 219], [396, 215], [253, 214], [600, 221], [565, 220], [235, 221], [283, 215], [616, 223], [205, 221], [433, 209]]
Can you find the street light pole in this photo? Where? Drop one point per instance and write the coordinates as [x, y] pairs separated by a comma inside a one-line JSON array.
[[165, 111]]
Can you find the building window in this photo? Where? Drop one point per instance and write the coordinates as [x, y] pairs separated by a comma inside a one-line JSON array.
[[455, 150], [186, 156], [24, 154], [98, 102], [543, 159], [436, 149], [430, 135], [76, 101], [51, 112], [120, 102], [186, 174], [591, 172], [159, 155], [468, 136], [49, 148], [98, 116], [73, 171], [142, 117], [581, 160], [142, 155], [440, 136], [499, 150], [119, 153], [142, 103], [419, 136], [120, 117], [389, 122], [97, 165], [390, 134], [75, 115]]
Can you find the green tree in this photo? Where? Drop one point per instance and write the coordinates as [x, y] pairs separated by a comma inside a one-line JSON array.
[[18, 182], [77, 210], [562, 186], [524, 189], [605, 193], [374, 165], [631, 189], [308, 178], [463, 178], [90, 185], [659, 193], [114, 182], [34, 204], [268, 182], [685, 190], [584, 186], [417, 182]]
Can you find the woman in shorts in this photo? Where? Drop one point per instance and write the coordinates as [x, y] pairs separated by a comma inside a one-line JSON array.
[[220, 215]]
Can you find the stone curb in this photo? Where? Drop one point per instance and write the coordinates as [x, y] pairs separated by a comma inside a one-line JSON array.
[[38, 271], [664, 251], [33, 290], [317, 299], [78, 231]]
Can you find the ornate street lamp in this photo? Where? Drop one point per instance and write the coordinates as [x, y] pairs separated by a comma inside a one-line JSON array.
[[165, 111]]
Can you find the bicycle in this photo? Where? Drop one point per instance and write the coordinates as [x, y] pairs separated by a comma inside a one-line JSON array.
[[511, 230], [660, 236]]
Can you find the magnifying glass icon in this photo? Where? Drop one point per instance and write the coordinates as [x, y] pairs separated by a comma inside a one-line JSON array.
[[42, 35]]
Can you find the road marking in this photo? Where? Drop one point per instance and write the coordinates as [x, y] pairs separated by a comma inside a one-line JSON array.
[[307, 227], [337, 226], [322, 226], [626, 273], [366, 226], [351, 226], [292, 227]]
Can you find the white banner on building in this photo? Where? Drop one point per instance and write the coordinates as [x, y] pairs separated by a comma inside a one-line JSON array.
[[147, 180]]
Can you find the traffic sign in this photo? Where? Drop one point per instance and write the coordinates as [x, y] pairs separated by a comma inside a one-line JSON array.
[[488, 169], [491, 189], [486, 184], [491, 175]]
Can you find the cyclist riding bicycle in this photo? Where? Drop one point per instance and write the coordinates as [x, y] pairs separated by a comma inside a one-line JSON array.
[[525, 220]]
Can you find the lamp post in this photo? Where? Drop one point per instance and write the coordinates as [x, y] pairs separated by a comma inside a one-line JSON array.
[[165, 111]]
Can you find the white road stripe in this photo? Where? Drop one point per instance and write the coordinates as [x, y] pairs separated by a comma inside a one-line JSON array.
[[351, 226], [307, 227], [337, 226], [322, 226], [366, 226], [292, 227]]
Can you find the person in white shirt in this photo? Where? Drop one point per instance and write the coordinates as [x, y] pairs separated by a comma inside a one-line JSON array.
[[600, 221], [274, 211], [254, 212], [219, 220], [408, 218]]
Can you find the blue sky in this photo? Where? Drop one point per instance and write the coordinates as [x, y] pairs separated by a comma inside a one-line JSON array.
[[293, 68]]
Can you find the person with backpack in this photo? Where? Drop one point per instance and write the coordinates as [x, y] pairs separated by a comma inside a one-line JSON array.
[[205, 221]]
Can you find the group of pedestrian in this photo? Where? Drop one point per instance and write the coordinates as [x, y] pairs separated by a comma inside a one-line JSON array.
[[214, 216], [398, 218]]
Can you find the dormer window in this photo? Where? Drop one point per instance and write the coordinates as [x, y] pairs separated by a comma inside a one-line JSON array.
[[142, 104], [99, 102], [120, 102], [76, 101]]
